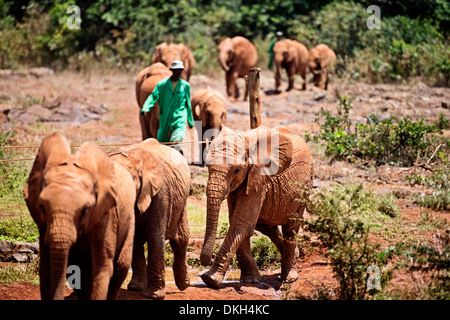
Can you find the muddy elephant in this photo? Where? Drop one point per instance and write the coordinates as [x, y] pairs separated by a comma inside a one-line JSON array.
[[321, 64], [167, 53], [210, 107], [83, 207], [292, 56], [236, 56], [146, 81], [259, 197], [162, 178]]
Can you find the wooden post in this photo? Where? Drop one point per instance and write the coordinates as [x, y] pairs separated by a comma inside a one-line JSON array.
[[254, 97]]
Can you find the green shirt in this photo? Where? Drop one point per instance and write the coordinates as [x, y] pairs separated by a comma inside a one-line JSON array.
[[174, 108]]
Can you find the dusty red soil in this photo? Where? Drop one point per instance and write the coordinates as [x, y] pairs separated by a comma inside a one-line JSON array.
[[295, 109]]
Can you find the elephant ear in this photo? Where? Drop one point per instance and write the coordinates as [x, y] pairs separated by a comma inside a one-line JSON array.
[[54, 150], [269, 153], [158, 51], [93, 159], [152, 179]]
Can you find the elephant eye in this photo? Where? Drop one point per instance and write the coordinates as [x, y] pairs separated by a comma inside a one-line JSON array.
[[42, 209], [83, 212], [236, 171]]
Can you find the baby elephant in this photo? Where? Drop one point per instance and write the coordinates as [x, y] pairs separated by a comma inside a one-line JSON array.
[[210, 107], [83, 206], [321, 63], [161, 179], [259, 196]]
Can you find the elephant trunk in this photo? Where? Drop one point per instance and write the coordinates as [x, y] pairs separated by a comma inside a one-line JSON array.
[[60, 238], [223, 62], [215, 192]]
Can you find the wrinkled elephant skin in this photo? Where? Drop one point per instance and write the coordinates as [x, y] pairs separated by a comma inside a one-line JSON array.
[[83, 206]]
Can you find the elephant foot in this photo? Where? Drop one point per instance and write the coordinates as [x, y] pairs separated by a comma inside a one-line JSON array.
[[182, 285], [136, 285], [250, 278], [213, 280], [290, 277], [155, 294]]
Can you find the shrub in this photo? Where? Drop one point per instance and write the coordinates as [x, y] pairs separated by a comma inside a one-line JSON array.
[[437, 261], [18, 229], [439, 182], [265, 253], [390, 141], [338, 220]]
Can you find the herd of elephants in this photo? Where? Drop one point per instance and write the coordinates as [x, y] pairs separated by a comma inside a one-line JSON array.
[[138, 194]]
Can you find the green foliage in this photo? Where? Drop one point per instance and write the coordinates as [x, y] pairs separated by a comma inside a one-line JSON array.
[[18, 229], [434, 260], [265, 253], [338, 217], [439, 182], [388, 141], [20, 272], [412, 41]]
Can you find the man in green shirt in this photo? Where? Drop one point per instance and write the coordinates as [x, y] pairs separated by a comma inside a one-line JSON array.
[[271, 53], [174, 96]]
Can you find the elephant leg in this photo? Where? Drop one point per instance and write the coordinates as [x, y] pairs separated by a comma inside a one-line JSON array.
[[291, 75], [236, 88], [326, 80], [274, 235], [249, 270], [102, 271], [121, 266], [155, 232], [228, 82], [119, 275], [139, 279], [144, 126], [277, 78], [289, 255], [179, 246], [237, 233], [303, 75]]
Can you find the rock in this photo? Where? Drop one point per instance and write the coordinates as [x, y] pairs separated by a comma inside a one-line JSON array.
[[20, 257], [41, 72], [18, 251], [39, 112]]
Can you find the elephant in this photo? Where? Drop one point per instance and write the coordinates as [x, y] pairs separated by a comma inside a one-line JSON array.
[[167, 53], [321, 63], [259, 197], [293, 57], [83, 206], [162, 178], [236, 56], [146, 82], [210, 107]]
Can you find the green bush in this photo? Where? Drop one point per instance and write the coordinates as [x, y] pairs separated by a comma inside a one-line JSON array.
[[390, 141], [434, 260], [338, 218], [439, 181], [19, 229], [413, 39], [265, 253]]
